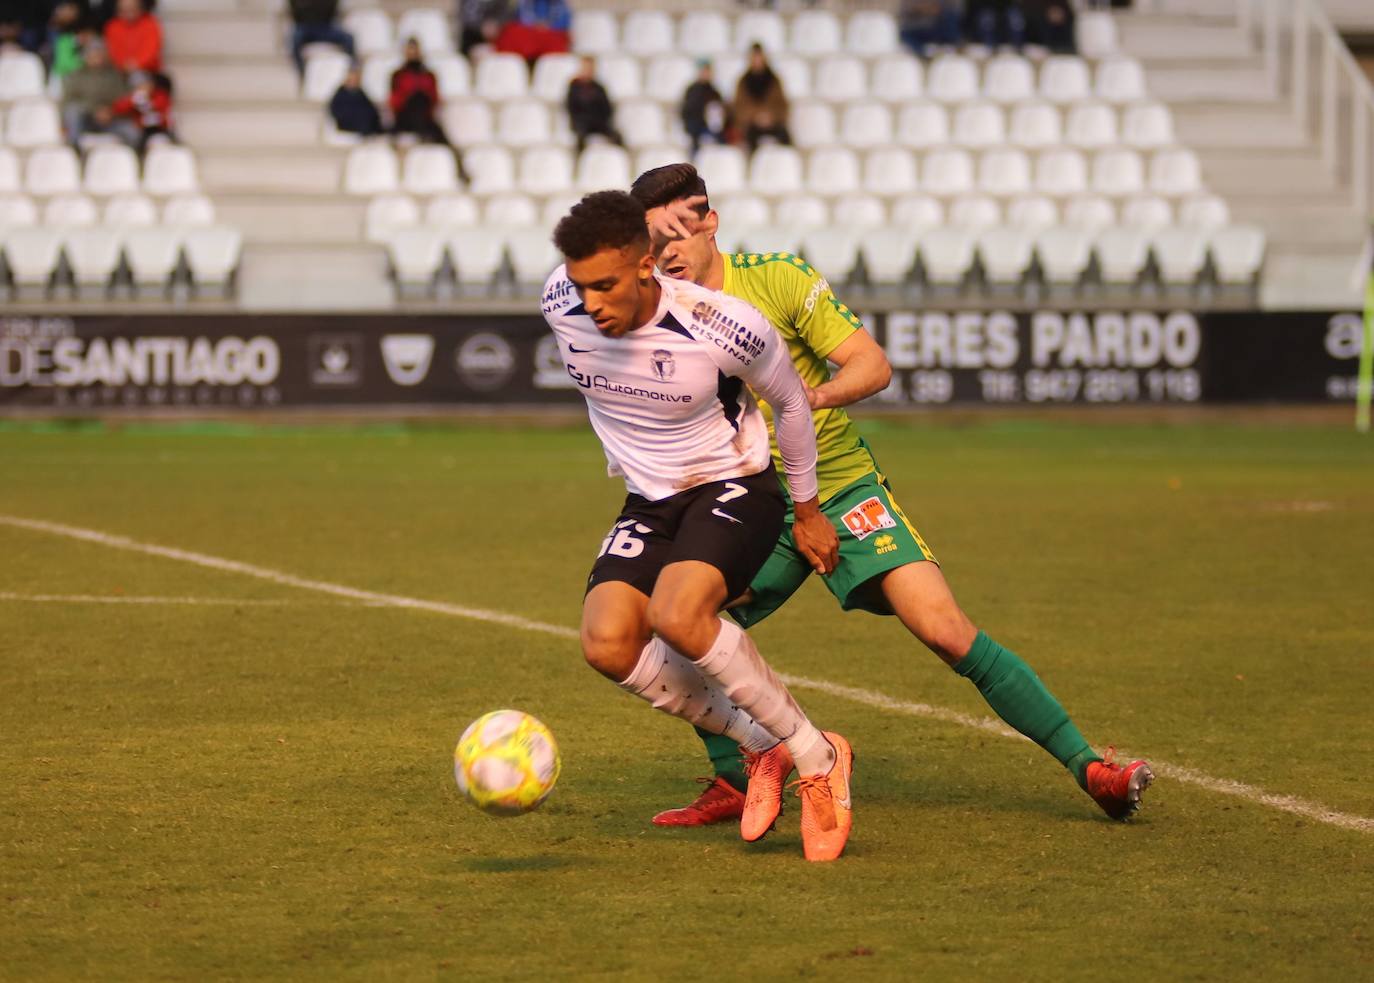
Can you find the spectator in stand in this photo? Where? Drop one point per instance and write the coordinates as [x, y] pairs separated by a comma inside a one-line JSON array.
[[541, 27], [133, 38], [352, 110], [928, 24], [481, 22], [589, 107], [993, 23], [24, 23], [88, 93], [62, 49], [316, 22], [760, 102], [1050, 23], [705, 116], [149, 106], [415, 98]]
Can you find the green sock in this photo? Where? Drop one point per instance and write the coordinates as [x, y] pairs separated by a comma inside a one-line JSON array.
[[726, 758], [1014, 690]]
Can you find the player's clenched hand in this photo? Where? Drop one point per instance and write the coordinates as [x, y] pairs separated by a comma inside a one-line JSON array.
[[815, 537], [675, 220]]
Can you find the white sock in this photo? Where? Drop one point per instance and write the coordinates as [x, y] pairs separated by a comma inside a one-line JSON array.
[[671, 682], [735, 663]]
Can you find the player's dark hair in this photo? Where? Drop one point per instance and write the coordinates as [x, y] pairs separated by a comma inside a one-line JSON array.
[[661, 185], [601, 220]]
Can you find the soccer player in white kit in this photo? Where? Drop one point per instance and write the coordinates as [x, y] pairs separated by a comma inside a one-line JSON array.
[[662, 365]]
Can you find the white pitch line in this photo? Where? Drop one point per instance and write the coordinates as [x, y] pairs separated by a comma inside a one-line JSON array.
[[143, 599], [1284, 803]]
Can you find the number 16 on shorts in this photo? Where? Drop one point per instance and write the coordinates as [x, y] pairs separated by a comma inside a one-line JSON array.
[[623, 540]]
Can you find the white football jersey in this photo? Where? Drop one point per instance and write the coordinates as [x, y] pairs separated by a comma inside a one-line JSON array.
[[669, 399]]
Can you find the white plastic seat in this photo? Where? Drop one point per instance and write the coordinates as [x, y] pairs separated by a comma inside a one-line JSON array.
[[552, 73], [815, 32], [500, 76], [1118, 173], [923, 125], [169, 170], [152, 254], [947, 172], [429, 26], [1065, 254], [1004, 172], [376, 77], [1180, 254], [1090, 213], [1061, 173], [860, 211], [1122, 254], [642, 123], [52, 171], [1175, 173], [979, 124], [477, 255], [1147, 126], [952, 78], [452, 75], [595, 32], [324, 73], [801, 213], [1238, 253], [21, 75], [865, 125], [947, 254], [1032, 213], [647, 158], [890, 171], [510, 211], [621, 76], [1035, 126], [1148, 212], [1008, 79], [762, 26], [889, 254], [833, 171], [371, 30], [32, 254], [490, 169], [603, 166], [812, 124], [795, 75], [468, 122], [835, 252], [10, 179], [93, 255], [555, 207], [775, 170], [16, 210], [1096, 34], [452, 212], [70, 211], [533, 256], [1204, 212], [647, 33], [524, 123], [897, 78], [546, 171], [1120, 80], [841, 78], [185, 211], [33, 123], [666, 78], [871, 33], [1007, 254], [1064, 79], [387, 213], [111, 169], [917, 212], [212, 254], [1091, 126], [739, 211], [371, 169], [975, 213], [416, 255], [723, 168], [703, 33]]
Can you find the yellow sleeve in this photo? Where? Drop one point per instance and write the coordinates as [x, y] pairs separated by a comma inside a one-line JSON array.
[[822, 322]]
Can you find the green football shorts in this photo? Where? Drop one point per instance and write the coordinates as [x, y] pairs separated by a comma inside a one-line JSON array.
[[875, 537]]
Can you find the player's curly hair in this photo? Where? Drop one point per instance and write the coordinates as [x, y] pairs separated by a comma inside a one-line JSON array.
[[659, 186], [601, 220]]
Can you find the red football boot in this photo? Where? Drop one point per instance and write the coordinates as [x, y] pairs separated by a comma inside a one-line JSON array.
[[719, 802], [1116, 789]]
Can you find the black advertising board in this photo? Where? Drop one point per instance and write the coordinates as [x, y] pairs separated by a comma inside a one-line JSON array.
[[968, 357]]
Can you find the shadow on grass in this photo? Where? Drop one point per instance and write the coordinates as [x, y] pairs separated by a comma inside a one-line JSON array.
[[516, 865]]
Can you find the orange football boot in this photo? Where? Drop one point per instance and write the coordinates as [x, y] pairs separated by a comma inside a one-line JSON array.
[[1116, 789], [719, 802], [767, 771], [827, 808]]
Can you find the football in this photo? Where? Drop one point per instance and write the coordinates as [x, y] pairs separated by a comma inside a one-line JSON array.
[[506, 763]]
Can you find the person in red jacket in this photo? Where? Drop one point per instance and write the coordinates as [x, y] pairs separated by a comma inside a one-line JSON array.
[[133, 38], [415, 98], [148, 104]]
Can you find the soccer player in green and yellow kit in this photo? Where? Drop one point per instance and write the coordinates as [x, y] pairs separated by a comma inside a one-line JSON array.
[[885, 566]]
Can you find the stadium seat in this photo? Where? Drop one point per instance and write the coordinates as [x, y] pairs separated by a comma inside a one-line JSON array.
[[533, 256], [726, 72], [1180, 253], [762, 26], [33, 123], [1096, 34], [332, 136], [1007, 254], [603, 166], [1238, 253], [703, 33], [93, 256], [917, 212], [890, 171], [923, 125], [468, 122], [376, 80], [1091, 126], [1176, 173], [10, 180], [212, 255], [453, 75], [947, 255], [889, 254], [33, 254], [490, 169], [52, 171], [975, 213], [795, 75], [795, 216], [371, 30], [947, 172], [952, 79], [1120, 80], [153, 255], [1008, 79], [1147, 212], [1064, 79], [815, 32], [1061, 173], [1204, 212], [1065, 254], [555, 207], [647, 33], [1147, 126], [1035, 126], [429, 26], [15, 211], [621, 76], [1033, 213], [833, 171], [324, 73], [186, 211], [897, 78], [21, 75], [835, 252], [416, 254], [595, 32], [477, 255], [510, 211], [169, 170], [812, 124], [524, 123], [371, 169], [70, 211], [775, 170], [666, 78], [979, 124], [1118, 173], [1089, 213], [858, 211], [1122, 254], [647, 158], [387, 213], [500, 76], [545, 171], [1005, 172], [552, 73], [866, 125], [452, 212], [871, 33], [642, 123], [841, 78], [739, 211], [111, 169]]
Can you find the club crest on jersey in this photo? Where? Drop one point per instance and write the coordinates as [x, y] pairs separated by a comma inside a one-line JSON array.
[[868, 517], [664, 365]]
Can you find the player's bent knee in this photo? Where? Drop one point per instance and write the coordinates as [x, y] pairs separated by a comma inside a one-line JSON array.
[[683, 627], [612, 653]]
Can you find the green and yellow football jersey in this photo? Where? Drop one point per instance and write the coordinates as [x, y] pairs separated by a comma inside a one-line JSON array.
[[801, 305]]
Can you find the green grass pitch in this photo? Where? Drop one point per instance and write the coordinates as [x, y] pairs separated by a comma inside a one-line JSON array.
[[260, 786]]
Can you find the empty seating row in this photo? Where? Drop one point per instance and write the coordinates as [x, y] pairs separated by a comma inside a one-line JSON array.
[[120, 211], [40, 258], [110, 169], [22, 75]]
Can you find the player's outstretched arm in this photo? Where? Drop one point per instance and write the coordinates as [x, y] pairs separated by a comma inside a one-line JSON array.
[[864, 370]]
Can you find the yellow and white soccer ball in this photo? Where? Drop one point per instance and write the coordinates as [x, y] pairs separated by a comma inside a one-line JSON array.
[[506, 763]]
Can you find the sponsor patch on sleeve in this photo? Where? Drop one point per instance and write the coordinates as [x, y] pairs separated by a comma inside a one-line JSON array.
[[868, 517]]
